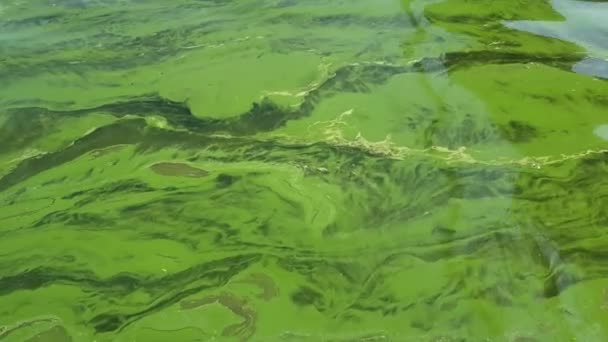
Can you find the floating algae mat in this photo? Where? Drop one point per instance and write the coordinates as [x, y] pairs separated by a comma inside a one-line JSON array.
[[280, 170]]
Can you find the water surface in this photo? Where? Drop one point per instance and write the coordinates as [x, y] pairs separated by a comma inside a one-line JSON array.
[[277, 170]]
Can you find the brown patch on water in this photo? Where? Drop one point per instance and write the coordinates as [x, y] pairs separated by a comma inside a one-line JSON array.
[[236, 305], [108, 150], [178, 170], [265, 283]]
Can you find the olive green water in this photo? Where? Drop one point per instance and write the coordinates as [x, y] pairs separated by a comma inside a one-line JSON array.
[[311, 170]]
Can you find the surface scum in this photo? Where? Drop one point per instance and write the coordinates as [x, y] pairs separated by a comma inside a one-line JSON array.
[[279, 170]]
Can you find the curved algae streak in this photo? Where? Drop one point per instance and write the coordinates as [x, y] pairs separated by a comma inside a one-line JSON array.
[[267, 116], [209, 275], [137, 132], [244, 330]]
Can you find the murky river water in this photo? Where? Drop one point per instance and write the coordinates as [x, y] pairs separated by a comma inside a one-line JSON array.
[[312, 170]]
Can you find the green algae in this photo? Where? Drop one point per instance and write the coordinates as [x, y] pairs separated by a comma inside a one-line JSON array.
[[300, 171]]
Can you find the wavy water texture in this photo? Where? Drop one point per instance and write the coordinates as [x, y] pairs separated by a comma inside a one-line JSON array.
[[277, 170]]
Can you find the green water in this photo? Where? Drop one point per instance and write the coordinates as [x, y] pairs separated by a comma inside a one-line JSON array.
[[303, 170]]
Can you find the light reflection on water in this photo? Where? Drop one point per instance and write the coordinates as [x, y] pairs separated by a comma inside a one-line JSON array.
[[585, 24]]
